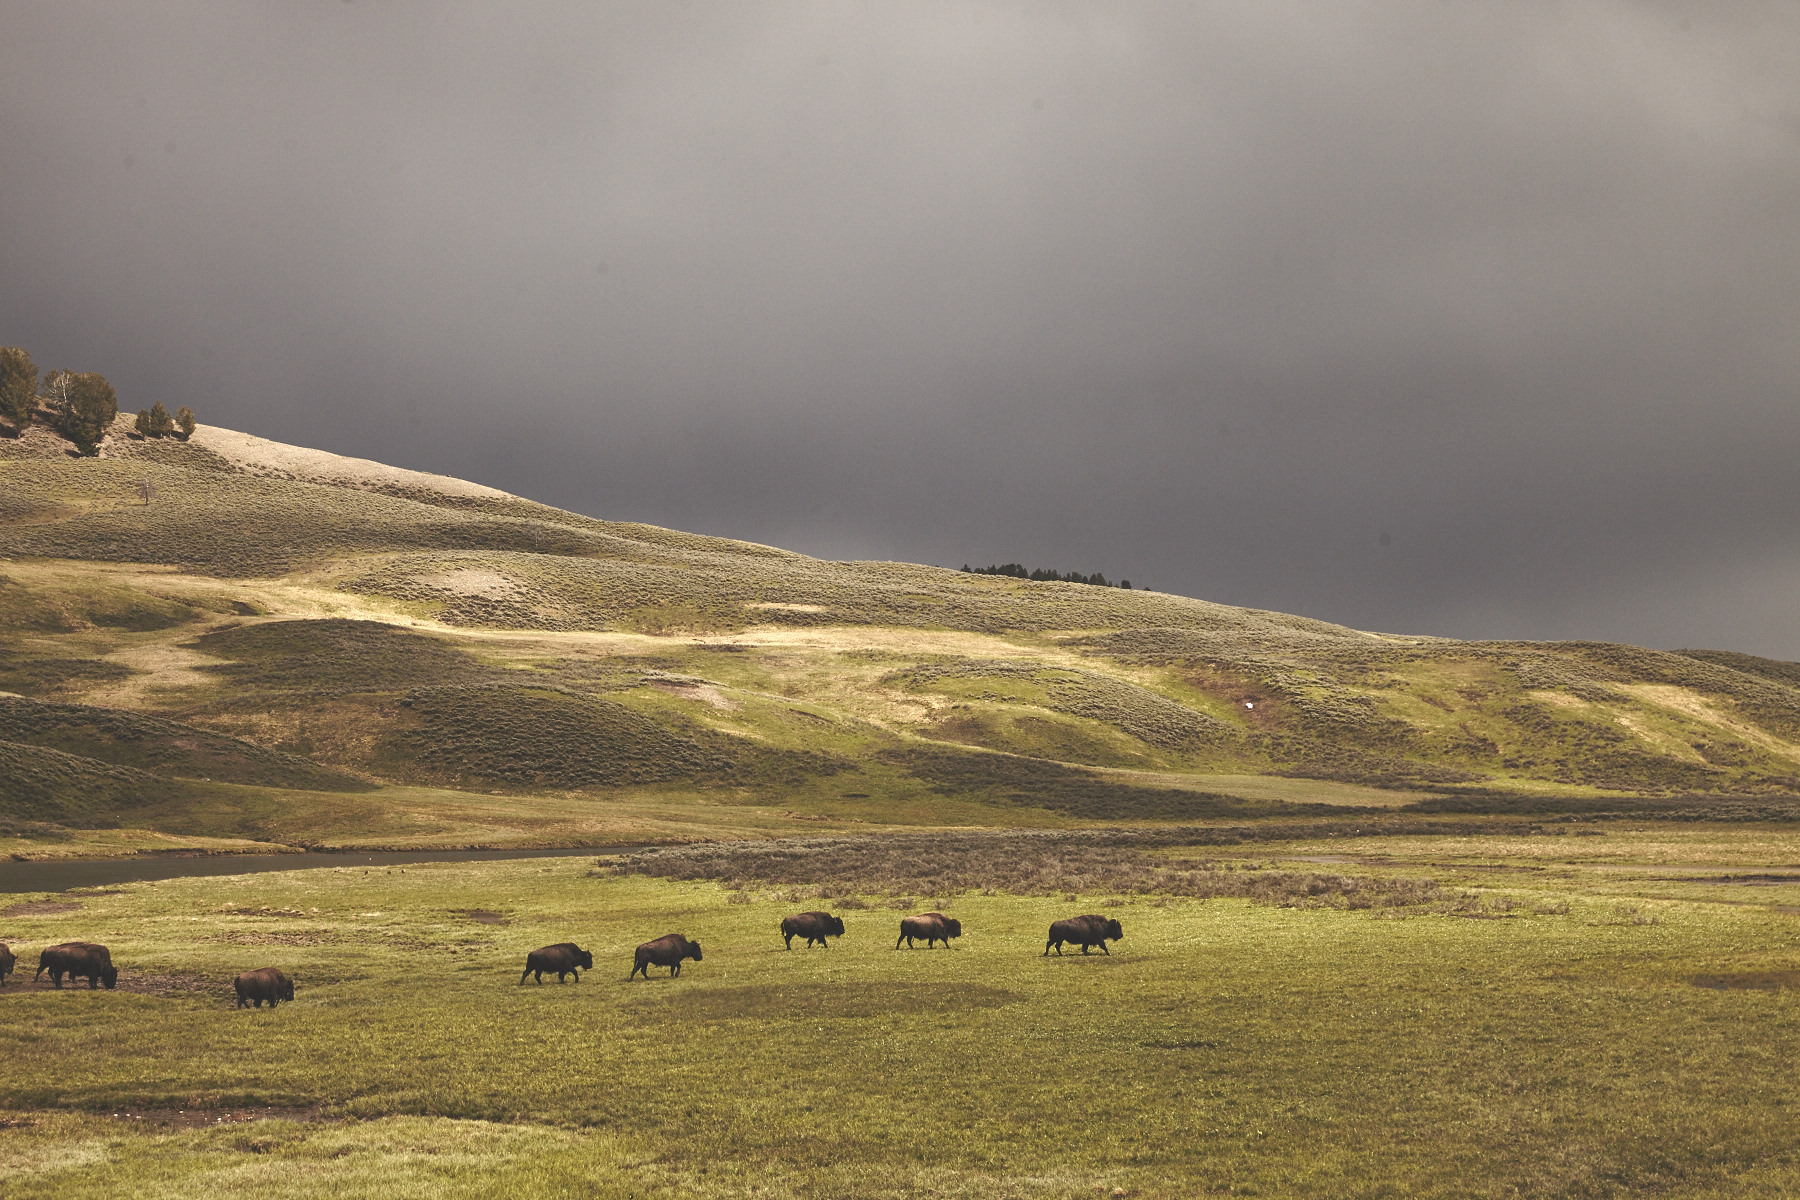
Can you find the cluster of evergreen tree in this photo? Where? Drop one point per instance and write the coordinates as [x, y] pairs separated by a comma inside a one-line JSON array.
[[156, 422], [1019, 572], [80, 405]]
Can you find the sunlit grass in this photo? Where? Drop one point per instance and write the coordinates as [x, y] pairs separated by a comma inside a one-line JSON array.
[[1225, 1044]]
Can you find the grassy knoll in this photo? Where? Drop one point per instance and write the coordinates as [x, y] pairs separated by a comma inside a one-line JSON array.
[[1509, 1014], [397, 631]]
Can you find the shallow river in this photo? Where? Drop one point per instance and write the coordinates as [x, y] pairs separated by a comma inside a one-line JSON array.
[[16, 877]]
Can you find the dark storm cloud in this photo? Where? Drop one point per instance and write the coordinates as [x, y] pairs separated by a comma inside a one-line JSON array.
[[1460, 318]]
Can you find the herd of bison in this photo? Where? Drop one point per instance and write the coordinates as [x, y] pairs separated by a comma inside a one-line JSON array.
[[93, 962]]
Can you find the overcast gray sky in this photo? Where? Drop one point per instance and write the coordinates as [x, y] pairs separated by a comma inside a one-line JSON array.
[[1476, 319]]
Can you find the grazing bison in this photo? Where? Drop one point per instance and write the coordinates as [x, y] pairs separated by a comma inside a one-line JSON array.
[[264, 983], [666, 951], [932, 926], [78, 958], [1084, 931], [6, 962], [564, 958], [813, 926]]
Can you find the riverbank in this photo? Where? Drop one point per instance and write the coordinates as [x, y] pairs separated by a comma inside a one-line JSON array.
[[62, 875]]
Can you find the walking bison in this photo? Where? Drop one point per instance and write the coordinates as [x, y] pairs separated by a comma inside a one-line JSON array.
[[564, 958], [6, 962], [813, 926], [666, 951], [1084, 931], [264, 983], [86, 959], [932, 926]]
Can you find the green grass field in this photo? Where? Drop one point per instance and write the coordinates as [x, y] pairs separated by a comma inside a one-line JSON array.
[[1545, 1016]]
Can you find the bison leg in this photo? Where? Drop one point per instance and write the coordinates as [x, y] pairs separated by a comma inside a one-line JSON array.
[[1084, 947], [1103, 948], [898, 940], [787, 940]]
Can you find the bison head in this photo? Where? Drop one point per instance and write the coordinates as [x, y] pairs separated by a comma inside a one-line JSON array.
[[285, 989], [952, 926], [109, 976], [694, 950], [835, 926], [1113, 931], [585, 959]]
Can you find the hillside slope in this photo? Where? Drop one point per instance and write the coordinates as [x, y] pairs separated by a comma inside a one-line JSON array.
[[379, 627]]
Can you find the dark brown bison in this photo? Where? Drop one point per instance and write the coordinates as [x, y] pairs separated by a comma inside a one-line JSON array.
[[1084, 931], [666, 951], [932, 926], [813, 926], [564, 958], [78, 958], [264, 983], [6, 962]]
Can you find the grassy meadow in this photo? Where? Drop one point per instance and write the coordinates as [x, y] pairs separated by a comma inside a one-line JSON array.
[[1541, 1015]]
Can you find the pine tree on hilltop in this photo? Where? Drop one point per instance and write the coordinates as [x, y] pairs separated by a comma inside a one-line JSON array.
[[161, 423], [141, 426], [18, 387], [184, 421], [86, 405]]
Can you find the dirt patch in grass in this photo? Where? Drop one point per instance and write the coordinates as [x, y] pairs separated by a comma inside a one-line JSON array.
[[1749, 981], [142, 983], [484, 916], [1025, 863], [40, 908], [813, 1001], [263, 938]]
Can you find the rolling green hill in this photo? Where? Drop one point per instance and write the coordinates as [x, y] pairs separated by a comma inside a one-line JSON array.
[[299, 625]]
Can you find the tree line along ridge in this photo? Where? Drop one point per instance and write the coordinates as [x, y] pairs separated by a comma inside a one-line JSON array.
[[79, 405], [1045, 574]]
